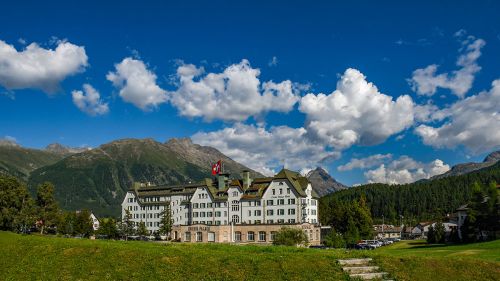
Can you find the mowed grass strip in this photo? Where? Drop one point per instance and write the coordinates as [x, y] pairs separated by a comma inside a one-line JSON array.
[[35, 257], [416, 260]]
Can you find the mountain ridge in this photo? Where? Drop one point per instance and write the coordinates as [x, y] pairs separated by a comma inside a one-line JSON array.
[[323, 183]]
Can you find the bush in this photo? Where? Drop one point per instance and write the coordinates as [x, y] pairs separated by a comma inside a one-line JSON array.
[[335, 240], [290, 237]]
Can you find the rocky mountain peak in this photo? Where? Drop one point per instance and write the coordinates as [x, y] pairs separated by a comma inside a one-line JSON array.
[[492, 157], [58, 148], [8, 142], [323, 183]]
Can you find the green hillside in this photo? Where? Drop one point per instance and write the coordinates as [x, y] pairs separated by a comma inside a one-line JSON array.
[[99, 178], [417, 201], [20, 162]]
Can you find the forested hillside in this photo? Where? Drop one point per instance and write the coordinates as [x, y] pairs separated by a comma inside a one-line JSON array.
[[415, 202]]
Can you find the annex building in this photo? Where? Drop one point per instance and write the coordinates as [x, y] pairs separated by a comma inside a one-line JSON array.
[[229, 210]]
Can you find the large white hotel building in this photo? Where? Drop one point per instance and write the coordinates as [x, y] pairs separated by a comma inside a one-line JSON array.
[[223, 210]]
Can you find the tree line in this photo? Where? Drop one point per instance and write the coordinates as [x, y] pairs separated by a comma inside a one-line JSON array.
[[415, 202], [22, 213]]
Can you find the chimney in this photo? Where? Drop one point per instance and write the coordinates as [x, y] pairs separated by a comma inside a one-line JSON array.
[[221, 181], [247, 181]]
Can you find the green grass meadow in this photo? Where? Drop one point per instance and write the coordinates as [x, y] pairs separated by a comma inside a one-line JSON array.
[[34, 257]]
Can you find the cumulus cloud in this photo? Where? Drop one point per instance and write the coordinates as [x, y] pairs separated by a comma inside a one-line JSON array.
[[363, 163], [39, 68], [355, 113], [137, 84], [405, 170], [233, 95], [425, 81], [89, 101], [262, 149], [473, 122]]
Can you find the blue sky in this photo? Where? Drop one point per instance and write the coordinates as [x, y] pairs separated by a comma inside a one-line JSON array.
[[173, 48]]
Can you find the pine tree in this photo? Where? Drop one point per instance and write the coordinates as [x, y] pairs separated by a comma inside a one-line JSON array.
[[439, 233], [48, 211], [431, 238], [84, 223], [142, 230], [166, 220], [108, 228], [127, 226]]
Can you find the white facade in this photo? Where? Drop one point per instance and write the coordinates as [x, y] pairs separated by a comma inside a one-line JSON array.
[[280, 202]]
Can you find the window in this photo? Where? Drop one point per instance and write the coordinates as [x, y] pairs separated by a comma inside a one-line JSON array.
[[291, 220], [257, 203], [195, 205], [273, 235], [187, 237], [281, 221], [257, 221], [313, 202], [202, 205], [217, 222], [270, 212], [288, 191], [195, 214], [270, 221], [235, 193], [281, 190], [237, 236], [281, 201], [209, 205], [217, 214], [281, 212], [225, 213], [209, 214], [202, 214], [274, 191], [211, 237], [291, 211], [262, 236], [199, 236], [291, 201], [249, 213], [235, 207], [235, 219], [269, 202], [258, 213], [251, 236]]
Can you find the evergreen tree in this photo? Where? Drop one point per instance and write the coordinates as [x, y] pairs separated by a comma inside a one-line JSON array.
[[166, 220], [84, 223], [142, 230], [66, 224], [352, 232], [108, 228], [48, 211], [431, 237], [127, 227], [439, 233]]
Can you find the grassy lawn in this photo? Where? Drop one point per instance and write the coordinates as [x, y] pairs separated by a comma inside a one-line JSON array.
[[415, 260], [49, 258], [35, 257]]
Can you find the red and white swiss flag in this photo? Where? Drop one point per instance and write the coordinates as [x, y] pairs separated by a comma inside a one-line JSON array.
[[217, 167]]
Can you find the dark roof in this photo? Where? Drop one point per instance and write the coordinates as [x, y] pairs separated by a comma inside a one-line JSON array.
[[255, 191]]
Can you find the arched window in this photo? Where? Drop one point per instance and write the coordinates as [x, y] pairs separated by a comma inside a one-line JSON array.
[[237, 236], [235, 219]]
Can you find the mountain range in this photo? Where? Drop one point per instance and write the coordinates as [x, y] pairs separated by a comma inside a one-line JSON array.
[[466, 168], [323, 183]]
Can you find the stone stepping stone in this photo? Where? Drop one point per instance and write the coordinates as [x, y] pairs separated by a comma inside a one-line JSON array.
[[360, 269], [369, 276], [355, 261]]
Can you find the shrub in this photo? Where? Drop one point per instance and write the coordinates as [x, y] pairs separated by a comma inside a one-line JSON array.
[[290, 237]]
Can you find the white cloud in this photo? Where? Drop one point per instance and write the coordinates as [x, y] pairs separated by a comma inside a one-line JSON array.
[[264, 150], [473, 122], [355, 113], [363, 163], [405, 170], [137, 84], [425, 81], [273, 62], [89, 101], [233, 95], [39, 68]]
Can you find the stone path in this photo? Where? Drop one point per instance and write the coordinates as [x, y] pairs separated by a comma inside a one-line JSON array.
[[361, 269]]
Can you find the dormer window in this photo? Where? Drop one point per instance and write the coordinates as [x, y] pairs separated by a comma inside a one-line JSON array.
[[235, 193]]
